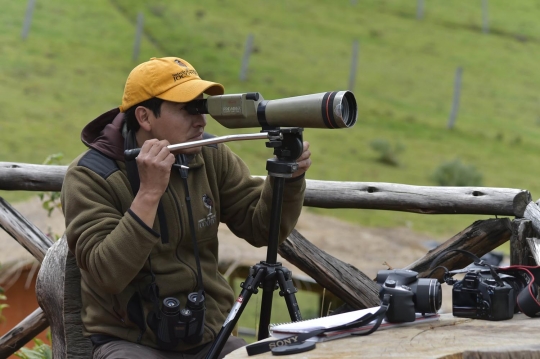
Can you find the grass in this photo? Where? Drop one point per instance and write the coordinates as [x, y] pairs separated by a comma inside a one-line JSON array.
[[73, 65]]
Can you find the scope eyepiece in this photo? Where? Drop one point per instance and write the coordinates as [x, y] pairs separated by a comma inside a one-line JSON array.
[[196, 107]]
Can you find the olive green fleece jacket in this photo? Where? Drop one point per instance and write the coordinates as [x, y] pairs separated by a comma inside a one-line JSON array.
[[112, 246]]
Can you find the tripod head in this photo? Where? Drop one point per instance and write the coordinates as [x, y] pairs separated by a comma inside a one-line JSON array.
[[288, 145]]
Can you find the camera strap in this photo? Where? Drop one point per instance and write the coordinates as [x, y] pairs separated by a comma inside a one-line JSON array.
[[477, 261], [527, 299], [294, 341]]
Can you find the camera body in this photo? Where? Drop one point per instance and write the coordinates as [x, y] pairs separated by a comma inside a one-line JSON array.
[[173, 324], [479, 296], [409, 294]]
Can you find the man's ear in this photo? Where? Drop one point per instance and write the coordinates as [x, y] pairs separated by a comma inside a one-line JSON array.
[[142, 114]]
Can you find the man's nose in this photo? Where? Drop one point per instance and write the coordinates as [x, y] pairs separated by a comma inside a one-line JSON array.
[[200, 120]]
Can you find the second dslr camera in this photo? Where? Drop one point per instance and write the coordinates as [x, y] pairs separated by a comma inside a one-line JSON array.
[[479, 295], [409, 294]]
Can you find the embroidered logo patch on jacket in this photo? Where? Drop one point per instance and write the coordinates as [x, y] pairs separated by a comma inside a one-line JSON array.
[[210, 218]]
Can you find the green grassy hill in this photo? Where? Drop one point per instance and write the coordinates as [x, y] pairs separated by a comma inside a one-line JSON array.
[[73, 65]]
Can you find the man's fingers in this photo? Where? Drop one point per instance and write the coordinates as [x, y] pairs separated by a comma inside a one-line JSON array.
[[306, 153], [147, 145], [304, 156], [154, 148], [305, 164], [163, 151]]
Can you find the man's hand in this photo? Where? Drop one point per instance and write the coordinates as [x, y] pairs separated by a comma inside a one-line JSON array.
[[154, 163], [304, 161]]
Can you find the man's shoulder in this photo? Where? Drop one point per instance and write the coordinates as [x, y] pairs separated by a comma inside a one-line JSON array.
[[97, 162]]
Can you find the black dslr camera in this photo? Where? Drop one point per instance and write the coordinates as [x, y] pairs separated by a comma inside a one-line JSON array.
[[172, 324], [480, 295], [409, 294]]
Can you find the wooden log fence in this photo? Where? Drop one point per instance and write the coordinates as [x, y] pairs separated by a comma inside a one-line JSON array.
[[342, 279], [332, 194]]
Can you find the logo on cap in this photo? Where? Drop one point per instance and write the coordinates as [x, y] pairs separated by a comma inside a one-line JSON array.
[[180, 63]]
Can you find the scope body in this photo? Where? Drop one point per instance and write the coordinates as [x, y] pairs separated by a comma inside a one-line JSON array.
[[331, 110]]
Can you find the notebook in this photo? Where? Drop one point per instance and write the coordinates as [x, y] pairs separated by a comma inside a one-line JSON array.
[[284, 330]]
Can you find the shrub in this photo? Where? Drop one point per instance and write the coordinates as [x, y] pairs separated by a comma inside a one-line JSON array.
[[456, 173], [388, 154], [39, 351]]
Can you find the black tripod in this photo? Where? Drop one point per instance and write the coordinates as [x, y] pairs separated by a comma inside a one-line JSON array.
[[269, 274]]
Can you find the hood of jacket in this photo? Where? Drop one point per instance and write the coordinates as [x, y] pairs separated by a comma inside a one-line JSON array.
[[104, 134]]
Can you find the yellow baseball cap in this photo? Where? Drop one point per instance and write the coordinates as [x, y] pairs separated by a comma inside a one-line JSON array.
[[168, 78]]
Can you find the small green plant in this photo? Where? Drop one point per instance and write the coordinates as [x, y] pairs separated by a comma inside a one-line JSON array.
[[2, 305], [51, 200], [388, 153], [456, 173], [39, 351]]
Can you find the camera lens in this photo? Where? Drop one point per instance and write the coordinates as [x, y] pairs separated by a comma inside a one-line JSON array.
[[170, 306], [428, 295], [345, 108]]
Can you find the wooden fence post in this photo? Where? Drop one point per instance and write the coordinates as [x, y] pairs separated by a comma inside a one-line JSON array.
[[138, 36], [28, 18], [485, 17], [420, 10], [520, 252], [455, 102], [245, 59], [354, 64]]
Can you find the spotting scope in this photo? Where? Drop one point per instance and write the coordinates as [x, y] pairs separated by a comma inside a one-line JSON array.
[[335, 109]]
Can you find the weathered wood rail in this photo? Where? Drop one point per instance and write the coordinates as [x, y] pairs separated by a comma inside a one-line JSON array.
[[342, 279], [332, 194]]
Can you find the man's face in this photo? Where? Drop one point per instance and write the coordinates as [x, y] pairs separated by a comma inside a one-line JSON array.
[[176, 125]]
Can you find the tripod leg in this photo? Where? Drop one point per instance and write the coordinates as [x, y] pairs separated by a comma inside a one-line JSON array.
[[249, 287], [288, 291], [266, 307], [284, 278]]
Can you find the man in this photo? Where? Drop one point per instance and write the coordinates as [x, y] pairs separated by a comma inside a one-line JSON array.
[[128, 222]]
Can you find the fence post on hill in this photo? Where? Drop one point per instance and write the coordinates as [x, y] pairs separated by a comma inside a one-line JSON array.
[[485, 17], [138, 36], [28, 18], [420, 10], [354, 64], [245, 59], [455, 102]]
